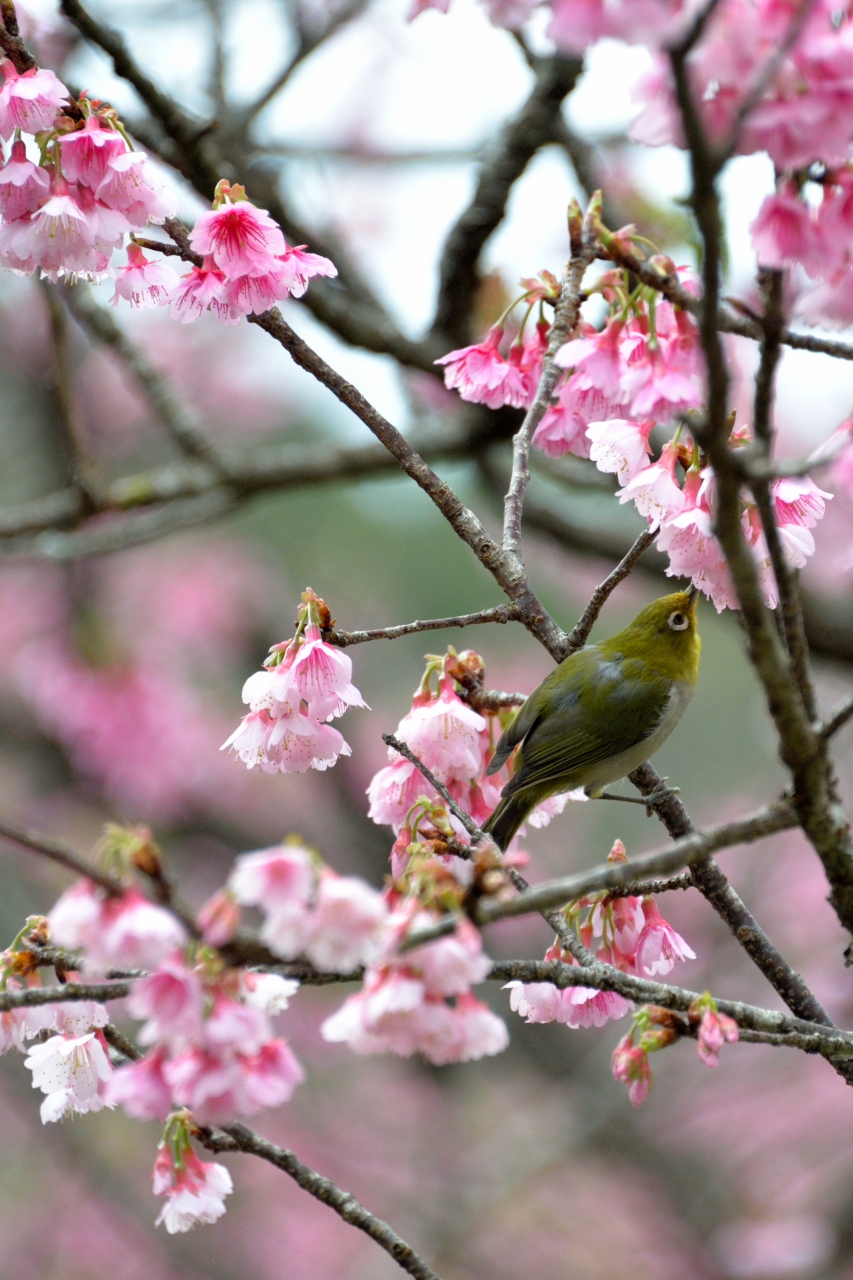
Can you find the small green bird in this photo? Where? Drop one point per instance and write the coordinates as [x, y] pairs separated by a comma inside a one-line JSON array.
[[603, 711]]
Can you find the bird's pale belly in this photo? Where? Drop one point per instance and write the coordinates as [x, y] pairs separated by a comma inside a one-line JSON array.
[[616, 767]]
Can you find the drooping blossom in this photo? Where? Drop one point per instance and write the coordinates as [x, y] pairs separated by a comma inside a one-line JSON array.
[[87, 151], [219, 918], [23, 185], [141, 1088], [481, 375], [219, 1086], [620, 446], [29, 101], [73, 1072], [655, 491], [403, 1007], [445, 733], [563, 426], [281, 881], [630, 1065], [195, 1190], [240, 238], [786, 231], [347, 923], [125, 932], [798, 500], [573, 1006], [692, 546], [142, 282], [659, 947], [201, 289], [303, 684], [171, 1001], [715, 1029]]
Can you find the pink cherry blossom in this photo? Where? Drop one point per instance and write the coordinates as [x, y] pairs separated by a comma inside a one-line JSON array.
[[393, 1014], [129, 187], [481, 375], [219, 918], [59, 236], [29, 101], [693, 549], [322, 675], [785, 231], [563, 426], [445, 733], [218, 1088], [588, 1007], [296, 267], [240, 238], [661, 377], [536, 1001], [141, 1088], [655, 491], [798, 500], [233, 1027], [599, 357], [23, 185], [576, 24], [143, 282], [715, 1029], [450, 965], [126, 932], [281, 881], [620, 446], [551, 808], [659, 946], [630, 1064], [86, 152], [286, 744], [196, 1191], [19, 1025], [171, 1000], [202, 289], [72, 1072], [347, 923], [393, 791]]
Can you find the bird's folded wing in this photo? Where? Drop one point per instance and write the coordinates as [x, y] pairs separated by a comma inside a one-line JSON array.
[[611, 713]]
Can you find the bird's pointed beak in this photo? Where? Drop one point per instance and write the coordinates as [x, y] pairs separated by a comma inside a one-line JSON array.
[[692, 599]]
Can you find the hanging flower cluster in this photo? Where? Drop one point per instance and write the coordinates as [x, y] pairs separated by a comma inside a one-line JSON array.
[[628, 933], [642, 371], [305, 684], [66, 213]]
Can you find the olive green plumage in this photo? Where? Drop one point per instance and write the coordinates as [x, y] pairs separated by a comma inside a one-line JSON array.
[[601, 713]]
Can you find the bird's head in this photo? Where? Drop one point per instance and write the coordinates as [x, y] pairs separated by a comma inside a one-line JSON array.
[[665, 635]]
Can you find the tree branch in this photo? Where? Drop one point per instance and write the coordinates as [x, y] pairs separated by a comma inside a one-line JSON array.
[[59, 852], [502, 613], [519, 141]]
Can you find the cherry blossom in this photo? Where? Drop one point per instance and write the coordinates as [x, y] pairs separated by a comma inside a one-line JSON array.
[[219, 918], [143, 282], [715, 1029], [659, 947], [87, 151], [239, 237], [445, 733], [140, 1087], [195, 1190], [219, 1086], [481, 375], [29, 101], [655, 491], [201, 289], [23, 185], [630, 1064], [171, 1000], [693, 549], [73, 1071], [297, 267], [563, 426], [786, 231], [620, 446], [120, 932], [347, 923], [281, 881]]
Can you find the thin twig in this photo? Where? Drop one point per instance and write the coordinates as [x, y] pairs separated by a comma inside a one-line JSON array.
[[60, 852], [580, 631], [458, 812], [838, 718], [566, 315], [502, 613], [237, 1137]]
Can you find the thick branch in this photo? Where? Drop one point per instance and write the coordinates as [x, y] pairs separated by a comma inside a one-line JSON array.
[[519, 141]]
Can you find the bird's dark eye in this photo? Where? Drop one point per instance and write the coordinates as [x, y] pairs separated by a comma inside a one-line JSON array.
[[678, 621]]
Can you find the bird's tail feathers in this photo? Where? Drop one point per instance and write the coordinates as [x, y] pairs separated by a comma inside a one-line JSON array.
[[506, 819]]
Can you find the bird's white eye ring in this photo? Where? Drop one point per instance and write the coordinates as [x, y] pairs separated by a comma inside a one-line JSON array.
[[678, 621]]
